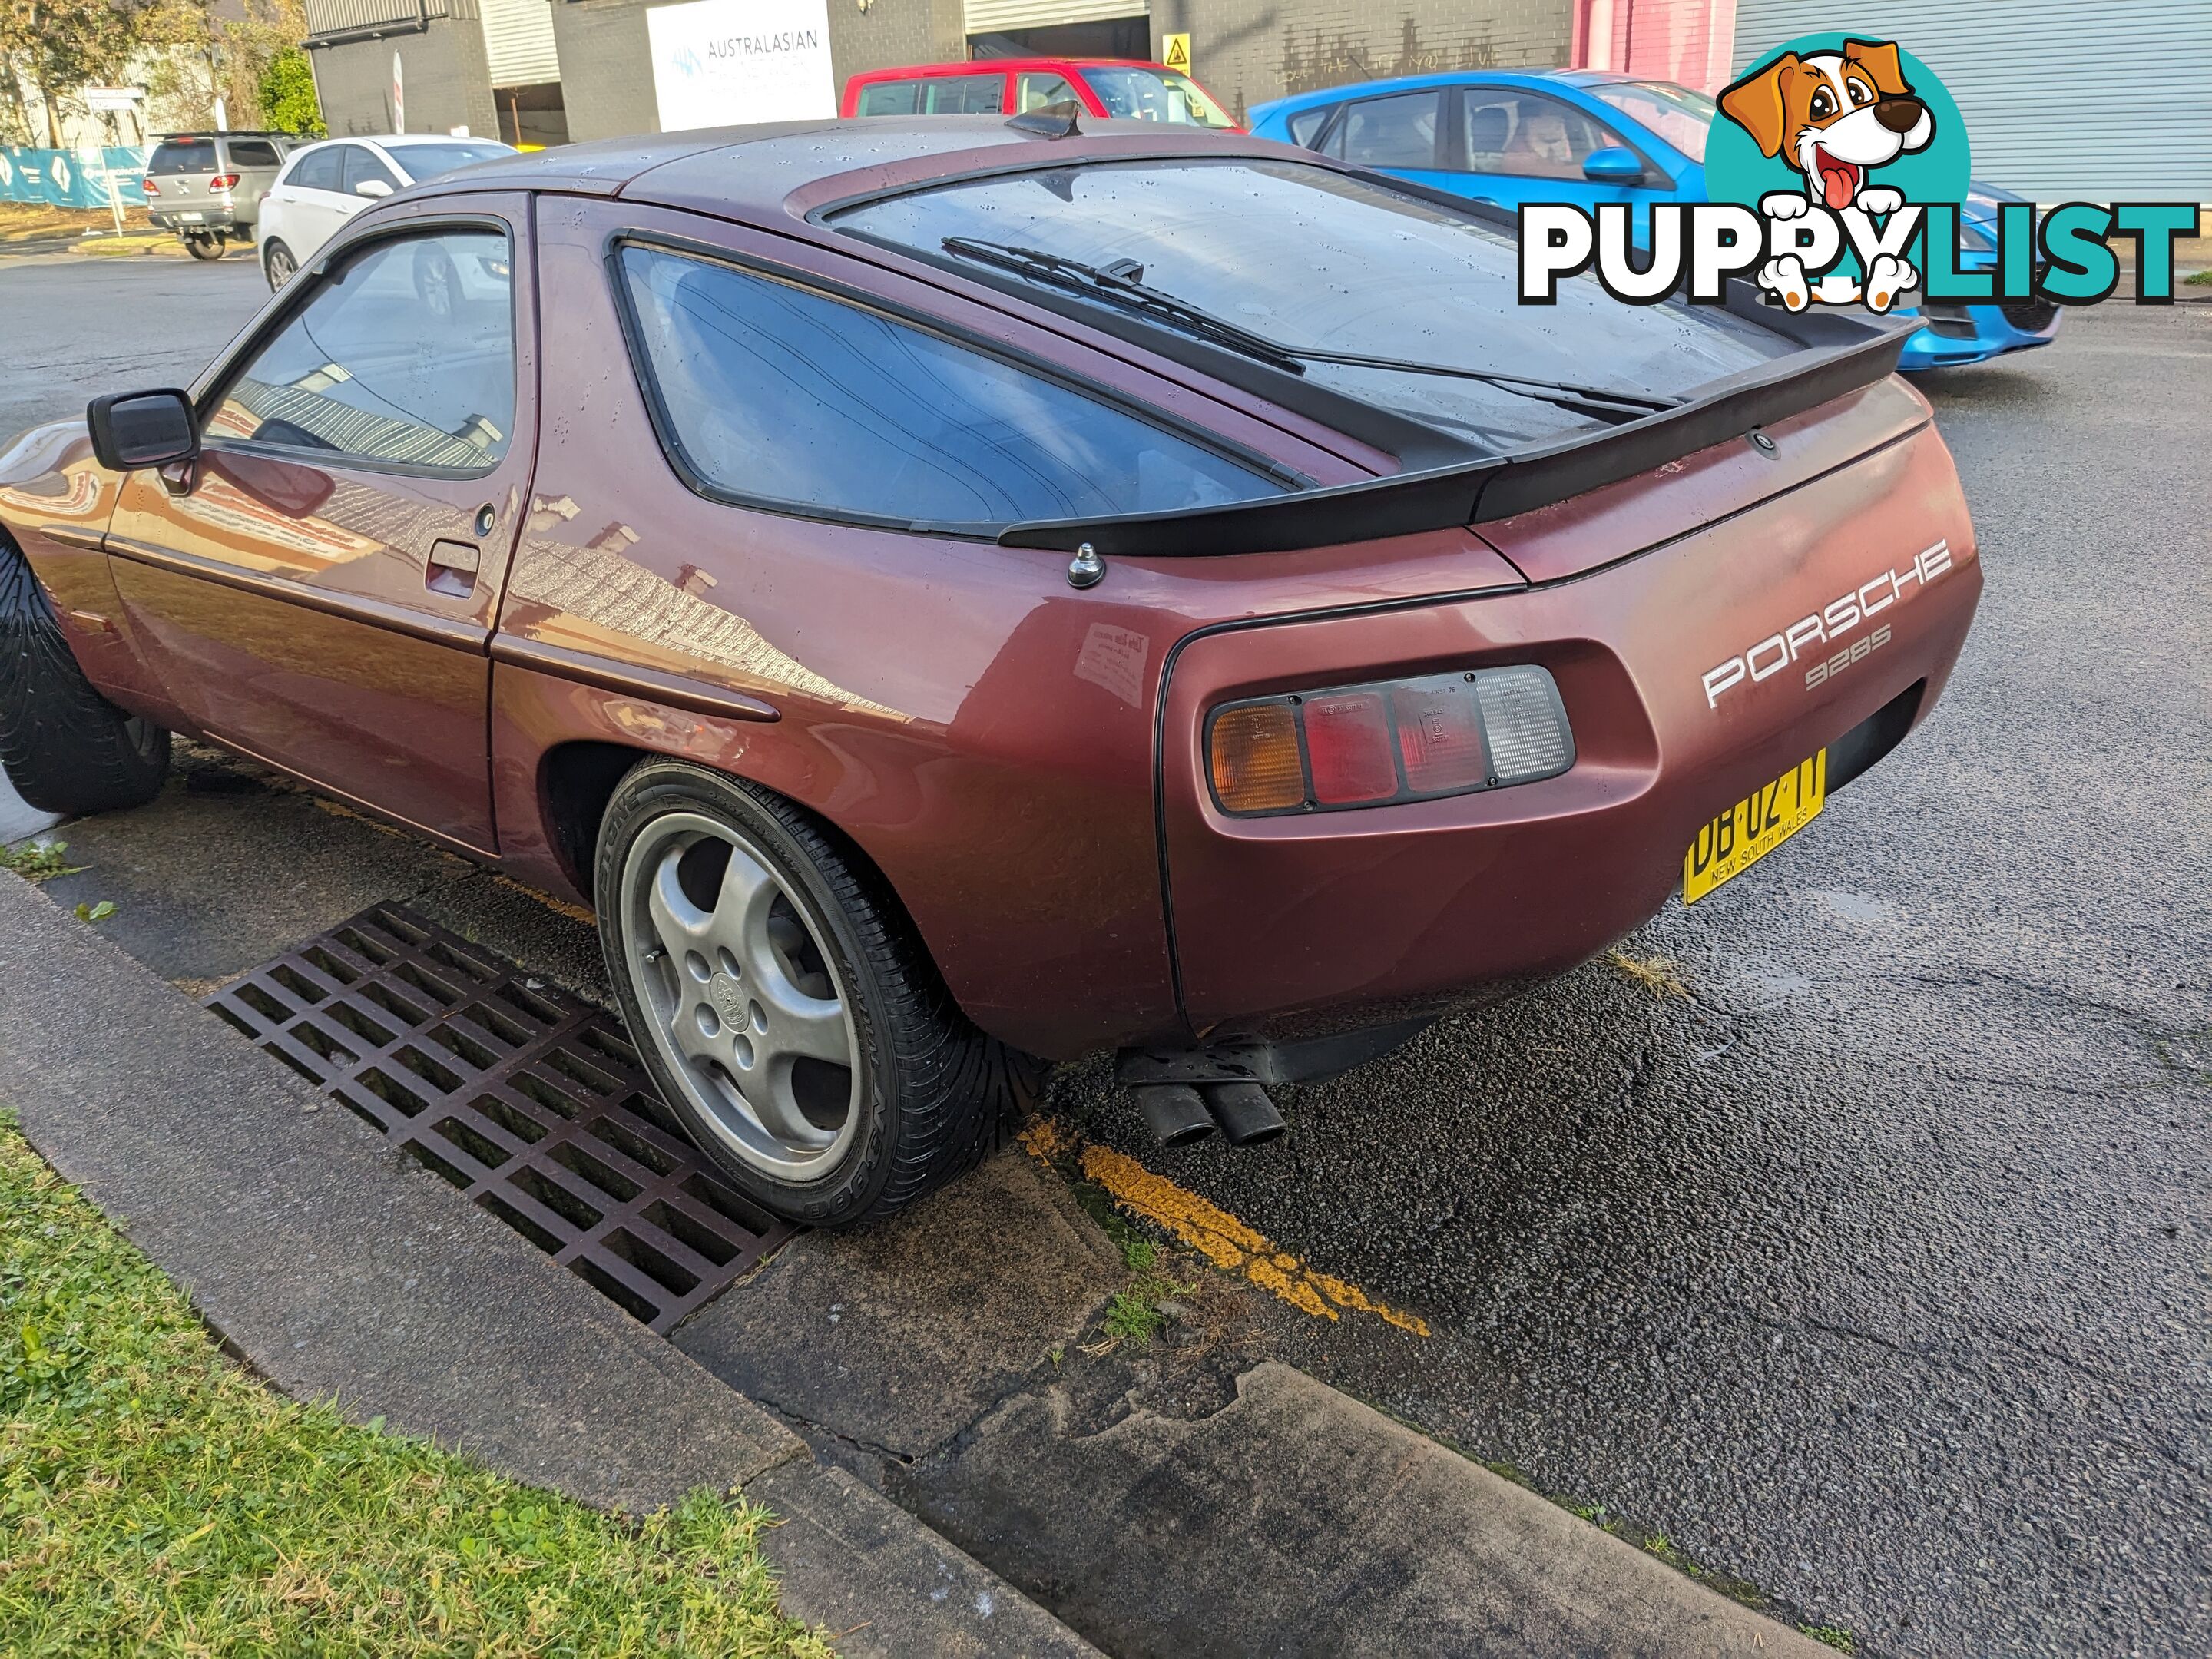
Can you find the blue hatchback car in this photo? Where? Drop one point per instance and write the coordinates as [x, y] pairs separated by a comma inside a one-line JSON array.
[[1581, 135]]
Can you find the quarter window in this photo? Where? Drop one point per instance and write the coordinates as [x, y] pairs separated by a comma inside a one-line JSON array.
[[1306, 124], [405, 356], [779, 396]]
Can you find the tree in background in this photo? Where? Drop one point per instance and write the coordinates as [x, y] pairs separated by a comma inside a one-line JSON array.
[[211, 49], [288, 94], [57, 46]]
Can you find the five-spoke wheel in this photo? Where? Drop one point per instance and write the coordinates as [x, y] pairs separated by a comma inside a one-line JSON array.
[[783, 1003], [741, 994]]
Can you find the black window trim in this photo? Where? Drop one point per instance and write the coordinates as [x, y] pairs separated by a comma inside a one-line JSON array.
[[355, 240], [829, 288]]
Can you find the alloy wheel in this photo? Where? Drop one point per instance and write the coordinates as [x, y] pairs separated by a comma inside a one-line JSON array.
[[739, 996]]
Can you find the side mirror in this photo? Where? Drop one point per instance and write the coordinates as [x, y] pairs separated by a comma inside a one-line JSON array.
[[1613, 164], [376, 190], [132, 430]]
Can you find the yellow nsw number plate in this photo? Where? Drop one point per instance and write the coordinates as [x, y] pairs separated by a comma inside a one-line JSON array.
[[1751, 829]]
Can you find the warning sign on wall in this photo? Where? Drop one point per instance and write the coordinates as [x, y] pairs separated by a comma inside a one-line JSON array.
[[1175, 52]]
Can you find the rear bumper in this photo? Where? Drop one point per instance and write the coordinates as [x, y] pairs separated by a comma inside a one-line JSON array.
[[200, 221], [1287, 926]]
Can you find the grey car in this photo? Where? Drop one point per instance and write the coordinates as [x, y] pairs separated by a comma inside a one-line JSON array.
[[208, 186]]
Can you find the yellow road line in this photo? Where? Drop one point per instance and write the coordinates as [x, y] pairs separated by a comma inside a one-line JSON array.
[[1231, 1244]]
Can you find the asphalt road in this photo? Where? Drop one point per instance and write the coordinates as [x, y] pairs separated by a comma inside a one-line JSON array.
[[77, 325], [1874, 1273]]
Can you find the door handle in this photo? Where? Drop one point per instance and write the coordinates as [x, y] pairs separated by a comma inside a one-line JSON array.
[[451, 569]]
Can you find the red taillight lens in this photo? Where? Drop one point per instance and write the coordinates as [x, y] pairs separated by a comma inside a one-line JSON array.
[[149, 187], [1348, 748], [223, 181], [1363, 745]]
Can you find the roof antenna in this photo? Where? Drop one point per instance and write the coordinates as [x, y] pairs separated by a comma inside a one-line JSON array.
[[1052, 120]]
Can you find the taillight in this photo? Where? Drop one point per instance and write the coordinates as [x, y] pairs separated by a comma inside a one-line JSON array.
[[149, 187], [223, 181], [1366, 745]]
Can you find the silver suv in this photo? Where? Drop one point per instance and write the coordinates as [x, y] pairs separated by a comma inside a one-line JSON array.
[[208, 186]]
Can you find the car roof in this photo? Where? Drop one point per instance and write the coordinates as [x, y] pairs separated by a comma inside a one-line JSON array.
[[999, 66], [1541, 78], [772, 170]]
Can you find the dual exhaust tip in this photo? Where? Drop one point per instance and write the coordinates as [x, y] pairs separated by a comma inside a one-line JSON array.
[[1179, 1113]]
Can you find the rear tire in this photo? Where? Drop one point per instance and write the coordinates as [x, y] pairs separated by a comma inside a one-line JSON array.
[[685, 856], [203, 248], [65, 748], [277, 265]]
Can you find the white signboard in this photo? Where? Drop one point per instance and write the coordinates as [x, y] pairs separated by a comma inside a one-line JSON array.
[[100, 100], [729, 63]]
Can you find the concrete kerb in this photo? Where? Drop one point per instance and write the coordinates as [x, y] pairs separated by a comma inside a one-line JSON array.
[[338, 1269]]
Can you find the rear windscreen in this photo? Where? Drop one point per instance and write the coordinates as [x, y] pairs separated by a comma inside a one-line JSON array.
[[183, 156], [1306, 257]]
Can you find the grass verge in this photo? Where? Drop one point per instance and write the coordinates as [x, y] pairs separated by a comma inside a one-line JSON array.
[[155, 1498]]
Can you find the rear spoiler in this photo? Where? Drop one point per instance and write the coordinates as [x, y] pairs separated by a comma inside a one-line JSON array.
[[1839, 352]]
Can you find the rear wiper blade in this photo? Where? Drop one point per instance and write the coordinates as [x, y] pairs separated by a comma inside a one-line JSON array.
[[1117, 286]]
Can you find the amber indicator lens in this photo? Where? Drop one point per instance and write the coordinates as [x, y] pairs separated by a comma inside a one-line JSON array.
[[1348, 748], [1365, 745], [1256, 767]]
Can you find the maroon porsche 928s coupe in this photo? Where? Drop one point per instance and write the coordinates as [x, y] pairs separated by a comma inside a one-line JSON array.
[[952, 594]]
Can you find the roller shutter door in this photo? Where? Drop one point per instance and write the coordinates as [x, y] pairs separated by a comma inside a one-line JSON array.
[[2064, 100], [519, 42], [1000, 16]]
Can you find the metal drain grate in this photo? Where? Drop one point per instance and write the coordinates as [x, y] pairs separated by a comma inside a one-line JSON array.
[[528, 1099]]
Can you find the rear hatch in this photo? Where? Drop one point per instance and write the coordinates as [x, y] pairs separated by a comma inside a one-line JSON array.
[[1392, 316], [181, 171]]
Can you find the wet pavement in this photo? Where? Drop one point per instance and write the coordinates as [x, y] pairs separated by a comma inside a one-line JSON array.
[[1872, 1271]]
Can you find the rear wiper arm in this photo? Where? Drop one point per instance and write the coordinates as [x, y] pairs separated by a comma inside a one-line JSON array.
[[1117, 286]]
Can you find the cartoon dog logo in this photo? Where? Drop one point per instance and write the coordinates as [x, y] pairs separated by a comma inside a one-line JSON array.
[[1837, 116]]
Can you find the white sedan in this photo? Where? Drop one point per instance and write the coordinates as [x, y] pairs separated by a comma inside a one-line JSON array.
[[326, 183]]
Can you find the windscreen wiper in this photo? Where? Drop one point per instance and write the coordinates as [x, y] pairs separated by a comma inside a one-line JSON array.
[[1122, 285]]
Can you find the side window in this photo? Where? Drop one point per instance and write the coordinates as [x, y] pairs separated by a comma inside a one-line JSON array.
[[1392, 132], [321, 169], [405, 356], [964, 95], [782, 396], [252, 153], [1306, 124], [1035, 91], [891, 98], [1527, 134], [362, 167]]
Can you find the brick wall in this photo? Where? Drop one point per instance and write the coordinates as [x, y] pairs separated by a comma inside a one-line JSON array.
[[606, 73], [446, 75], [1248, 52]]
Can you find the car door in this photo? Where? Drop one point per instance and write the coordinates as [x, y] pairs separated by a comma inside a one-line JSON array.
[[312, 198], [364, 166], [1402, 133], [1511, 146], [320, 588]]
